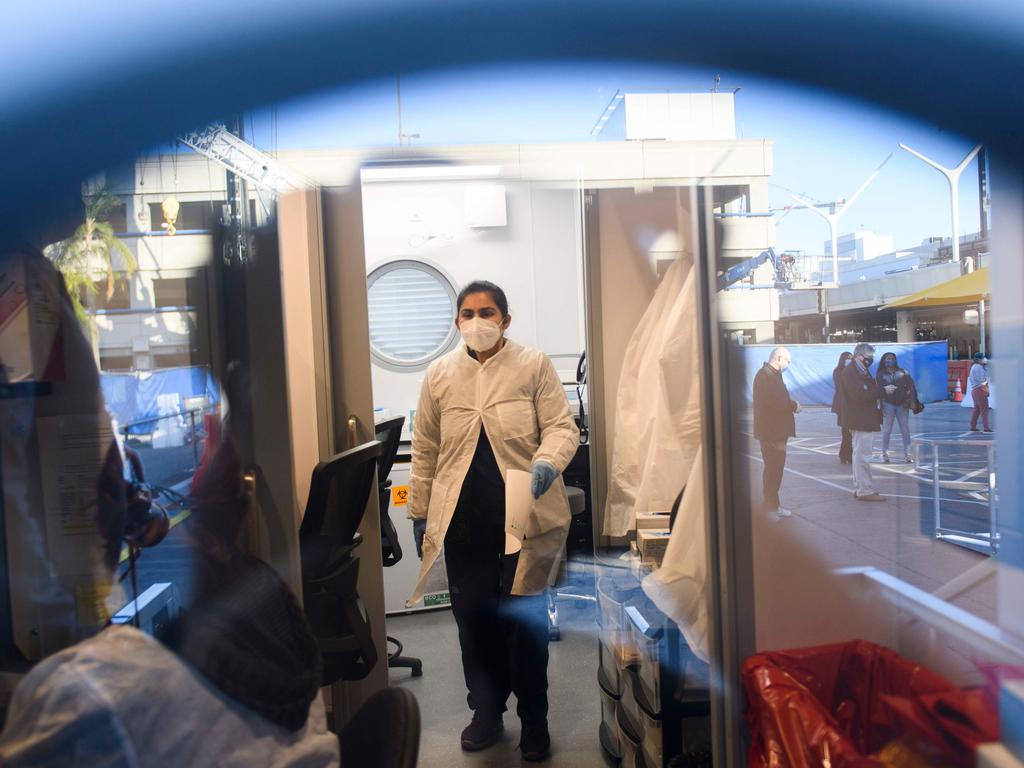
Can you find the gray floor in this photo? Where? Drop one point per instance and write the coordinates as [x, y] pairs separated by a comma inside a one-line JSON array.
[[575, 704]]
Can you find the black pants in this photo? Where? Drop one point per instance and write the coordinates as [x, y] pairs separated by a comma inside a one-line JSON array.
[[504, 638], [846, 447], [774, 455]]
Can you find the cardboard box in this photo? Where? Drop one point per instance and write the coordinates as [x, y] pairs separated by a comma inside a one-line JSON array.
[[645, 520], [652, 543]]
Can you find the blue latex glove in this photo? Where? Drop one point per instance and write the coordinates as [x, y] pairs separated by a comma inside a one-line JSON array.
[[419, 527], [543, 475]]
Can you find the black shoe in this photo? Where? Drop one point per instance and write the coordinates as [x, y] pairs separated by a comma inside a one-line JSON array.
[[535, 743], [482, 732]]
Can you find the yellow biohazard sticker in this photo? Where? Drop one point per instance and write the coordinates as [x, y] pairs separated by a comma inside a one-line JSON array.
[[400, 495]]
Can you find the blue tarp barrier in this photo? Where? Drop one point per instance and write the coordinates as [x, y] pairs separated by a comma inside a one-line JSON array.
[[809, 376], [131, 397]]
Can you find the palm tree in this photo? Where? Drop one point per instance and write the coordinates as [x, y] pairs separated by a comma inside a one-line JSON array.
[[89, 252]]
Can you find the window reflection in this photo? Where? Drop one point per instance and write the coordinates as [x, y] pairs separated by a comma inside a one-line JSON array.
[[859, 499]]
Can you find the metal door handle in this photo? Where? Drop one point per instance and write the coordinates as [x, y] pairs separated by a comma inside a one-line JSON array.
[[249, 482], [251, 528], [353, 426]]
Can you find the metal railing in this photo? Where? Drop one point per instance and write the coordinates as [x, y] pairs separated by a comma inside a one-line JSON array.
[[985, 539], [989, 640]]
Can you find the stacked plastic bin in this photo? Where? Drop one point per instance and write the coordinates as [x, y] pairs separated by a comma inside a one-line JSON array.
[[617, 655], [654, 694]]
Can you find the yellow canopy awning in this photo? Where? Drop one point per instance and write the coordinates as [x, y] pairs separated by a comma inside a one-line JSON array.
[[966, 289]]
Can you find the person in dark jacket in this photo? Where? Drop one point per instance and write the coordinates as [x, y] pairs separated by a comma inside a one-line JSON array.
[[861, 414], [898, 395], [846, 448], [774, 425]]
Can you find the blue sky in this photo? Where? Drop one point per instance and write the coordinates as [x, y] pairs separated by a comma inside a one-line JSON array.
[[824, 146]]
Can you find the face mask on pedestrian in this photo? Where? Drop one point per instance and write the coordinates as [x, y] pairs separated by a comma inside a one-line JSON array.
[[479, 334], [890, 363]]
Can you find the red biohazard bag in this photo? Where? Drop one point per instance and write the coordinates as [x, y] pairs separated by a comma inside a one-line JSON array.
[[844, 704]]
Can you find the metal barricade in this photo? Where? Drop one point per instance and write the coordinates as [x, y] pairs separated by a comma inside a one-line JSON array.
[[974, 539]]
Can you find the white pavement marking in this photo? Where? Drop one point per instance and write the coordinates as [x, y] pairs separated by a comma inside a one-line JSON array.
[[829, 483], [969, 475], [846, 489], [907, 470]]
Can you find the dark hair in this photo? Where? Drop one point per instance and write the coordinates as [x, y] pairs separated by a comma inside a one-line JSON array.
[[881, 365], [483, 286], [844, 358]]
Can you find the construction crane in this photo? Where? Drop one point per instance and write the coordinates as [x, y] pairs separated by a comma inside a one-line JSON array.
[[267, 176], [744, 268]]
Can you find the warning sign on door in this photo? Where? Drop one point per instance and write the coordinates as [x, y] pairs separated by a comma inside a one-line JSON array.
[[400, 495]]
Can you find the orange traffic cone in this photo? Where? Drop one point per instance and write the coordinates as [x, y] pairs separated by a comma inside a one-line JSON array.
[[958, 394]]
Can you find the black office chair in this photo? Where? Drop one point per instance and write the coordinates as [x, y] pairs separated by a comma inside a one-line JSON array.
[[389, 434], [384, 733], [328, 538]]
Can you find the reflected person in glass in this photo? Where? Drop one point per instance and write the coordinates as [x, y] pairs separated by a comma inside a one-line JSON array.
[[898, 396], [846, 447], [774, 425], [862, 414], [978, 384], [233, 680]]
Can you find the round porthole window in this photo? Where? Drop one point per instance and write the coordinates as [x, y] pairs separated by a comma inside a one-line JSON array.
[[412, 314]]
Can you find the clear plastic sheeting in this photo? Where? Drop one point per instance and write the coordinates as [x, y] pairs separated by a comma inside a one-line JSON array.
[[56, 438], [94, 704], [679, 587], [657, 416]]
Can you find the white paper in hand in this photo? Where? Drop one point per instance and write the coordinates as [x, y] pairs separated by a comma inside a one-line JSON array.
[[518, 505]]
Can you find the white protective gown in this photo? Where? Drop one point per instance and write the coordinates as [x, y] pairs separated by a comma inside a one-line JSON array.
[[123, 700], [519, 399], [658, 409], [680, 586]]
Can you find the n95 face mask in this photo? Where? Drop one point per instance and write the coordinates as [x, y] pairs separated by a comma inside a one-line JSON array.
[[480, 335]]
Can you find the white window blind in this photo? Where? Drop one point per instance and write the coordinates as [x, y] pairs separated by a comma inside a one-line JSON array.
[[411, 314]]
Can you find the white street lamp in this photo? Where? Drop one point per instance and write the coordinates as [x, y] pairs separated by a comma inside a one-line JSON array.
[[953, 177], [833, 217]]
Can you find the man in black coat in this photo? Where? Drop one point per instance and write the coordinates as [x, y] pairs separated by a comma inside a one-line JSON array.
[[861, 413], [774, 425]]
